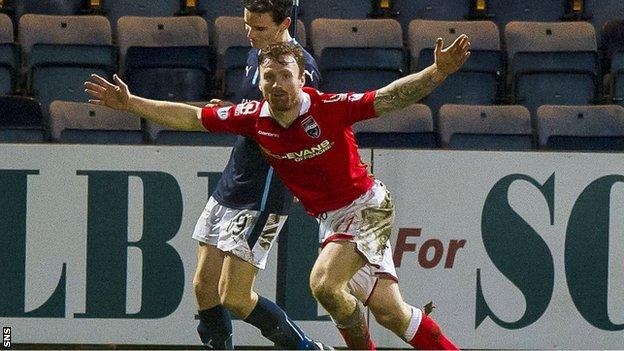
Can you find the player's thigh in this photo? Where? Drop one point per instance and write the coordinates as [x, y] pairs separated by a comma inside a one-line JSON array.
[[207, 274], [237, 278], [336, 264]]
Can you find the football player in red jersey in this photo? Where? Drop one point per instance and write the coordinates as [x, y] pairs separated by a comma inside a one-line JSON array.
[[306, 136]]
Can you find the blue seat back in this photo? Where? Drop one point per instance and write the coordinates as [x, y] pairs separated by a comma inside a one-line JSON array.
[[478, 82], [234, 63], [58, 72], [526, 11], [555, 78], [115, 9], [498, 142], [360, 69], [181, 73], [9, 67], [21, 120]]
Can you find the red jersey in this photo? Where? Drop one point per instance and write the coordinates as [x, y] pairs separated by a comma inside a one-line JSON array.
[[316, 156]]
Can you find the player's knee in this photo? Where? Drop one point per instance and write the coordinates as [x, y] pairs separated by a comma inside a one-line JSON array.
[[322, 288], [388, 320]]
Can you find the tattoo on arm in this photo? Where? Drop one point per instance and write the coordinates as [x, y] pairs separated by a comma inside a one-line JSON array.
[[407, 90]]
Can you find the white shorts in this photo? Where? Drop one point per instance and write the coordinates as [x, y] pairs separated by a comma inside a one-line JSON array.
[[367, 222], [248, 234]]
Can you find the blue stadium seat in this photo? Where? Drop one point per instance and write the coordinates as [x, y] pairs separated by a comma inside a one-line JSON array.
[[581, 127], [345, 9], [167, 57], [225, 9], [474, 127], [21, 120], [358, 55], [61, 52], [9, 67], [84, 123], [115, 9], [525, 11], [9, 56], [411, 127], [232, 48], [171, 73], [553, 63], [479, 81], [564, 78], [448, 10]]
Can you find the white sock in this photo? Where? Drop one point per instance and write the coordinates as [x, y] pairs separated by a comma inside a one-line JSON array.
[[413, 324]]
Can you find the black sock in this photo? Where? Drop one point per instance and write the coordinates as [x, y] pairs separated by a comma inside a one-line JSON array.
[[215, 328], [275, 326]]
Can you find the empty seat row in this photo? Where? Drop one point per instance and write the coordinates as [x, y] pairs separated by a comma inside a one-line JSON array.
[[479, 127], [461, 127], [22, 120], [170, 58], [500, 11]]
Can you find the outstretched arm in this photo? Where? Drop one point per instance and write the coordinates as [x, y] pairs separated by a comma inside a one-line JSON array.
[[411, 89], [174, 115]]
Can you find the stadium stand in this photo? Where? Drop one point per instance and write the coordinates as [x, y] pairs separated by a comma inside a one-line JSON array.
[[475, 127], [84, 123], [9, 56], [525, 11], [345, 9], [60, 52], [211, 13], [581, 127], [479, 81], [449, 10], [411, 127], [358, 55], [115, 9], [539, 63], [21, 120], [552, 63], [167, 57]]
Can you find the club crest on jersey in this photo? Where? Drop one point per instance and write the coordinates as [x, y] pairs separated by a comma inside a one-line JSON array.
[[311, 127], [222, 113]]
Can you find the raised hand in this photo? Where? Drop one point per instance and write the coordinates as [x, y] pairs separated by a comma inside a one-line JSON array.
[[451, 59], [103, 92]]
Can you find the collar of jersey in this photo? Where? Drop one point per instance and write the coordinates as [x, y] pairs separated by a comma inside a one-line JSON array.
[[305, 106]]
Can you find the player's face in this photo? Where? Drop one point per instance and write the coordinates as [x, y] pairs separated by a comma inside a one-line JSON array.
[[280, 83], [261, 30]]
